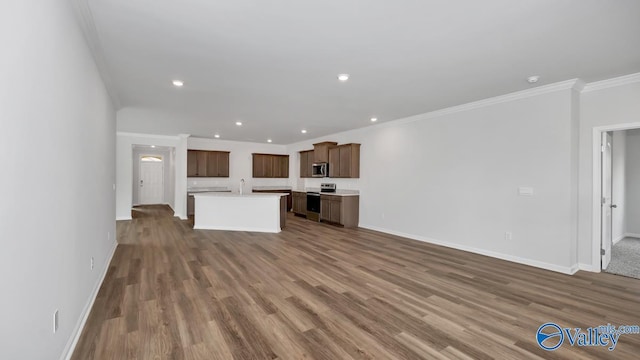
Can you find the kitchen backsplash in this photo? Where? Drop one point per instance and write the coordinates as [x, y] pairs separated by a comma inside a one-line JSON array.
[[342, 184], [295, 183], [233, 183]]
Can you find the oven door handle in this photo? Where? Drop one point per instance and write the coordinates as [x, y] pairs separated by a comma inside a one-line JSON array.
[[313, 194]]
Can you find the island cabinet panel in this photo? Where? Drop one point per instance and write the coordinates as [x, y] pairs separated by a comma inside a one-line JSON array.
[[321, 151], [340, 210], [299, 203], [270, 166], [306, 163], [344, 161], [289, 197], [202, 163], [236, 212]]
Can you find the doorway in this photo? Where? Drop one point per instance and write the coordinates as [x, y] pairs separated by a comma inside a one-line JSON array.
[[151, 180], [618, 196], [606, 224], [153, 175]]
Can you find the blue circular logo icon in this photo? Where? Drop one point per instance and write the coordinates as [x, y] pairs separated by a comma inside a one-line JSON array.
[[550, 336]]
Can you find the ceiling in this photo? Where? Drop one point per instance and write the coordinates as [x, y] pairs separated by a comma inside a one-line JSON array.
[[273, 64]]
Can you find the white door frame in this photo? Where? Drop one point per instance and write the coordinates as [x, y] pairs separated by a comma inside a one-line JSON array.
[[606, 196], [140, 172], [596, 198]]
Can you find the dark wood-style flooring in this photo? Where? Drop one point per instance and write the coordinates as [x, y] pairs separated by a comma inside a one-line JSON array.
[[316, 291]]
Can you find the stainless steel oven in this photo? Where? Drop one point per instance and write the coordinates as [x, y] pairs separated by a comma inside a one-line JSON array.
[[313, 205]]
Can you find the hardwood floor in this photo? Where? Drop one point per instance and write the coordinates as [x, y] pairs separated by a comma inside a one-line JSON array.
[[316, 291]]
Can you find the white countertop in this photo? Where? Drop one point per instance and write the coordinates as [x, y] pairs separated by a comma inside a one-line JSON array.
[[245, 195], [207, 189], [284, 188], [338, 192]]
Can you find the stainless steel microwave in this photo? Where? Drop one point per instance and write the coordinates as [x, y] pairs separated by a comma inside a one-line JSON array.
[[320, 170]]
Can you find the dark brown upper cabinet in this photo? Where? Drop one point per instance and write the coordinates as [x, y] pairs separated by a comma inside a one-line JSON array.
[[202, 163], [306, 163], [321, 151], [344, 161], [270, 166]]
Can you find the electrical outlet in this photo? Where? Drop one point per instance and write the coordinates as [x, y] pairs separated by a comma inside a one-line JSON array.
[[92, 263], [383, 215], [508, 236], [108, 236], [55, 321]]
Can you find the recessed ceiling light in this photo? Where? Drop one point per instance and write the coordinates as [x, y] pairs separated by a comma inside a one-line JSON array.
[[343, 77], [374, 119], [178, 83], [153, 146], [217, 136], [303, 131], [239, 123], [533, 79], [268, 140]]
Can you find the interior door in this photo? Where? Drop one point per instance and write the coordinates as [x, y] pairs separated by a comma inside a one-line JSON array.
[[606, 223], [151, 181]]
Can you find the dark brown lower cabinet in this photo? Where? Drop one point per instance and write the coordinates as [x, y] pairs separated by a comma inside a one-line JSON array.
[[299, 203], [340, 210], [191, 205]]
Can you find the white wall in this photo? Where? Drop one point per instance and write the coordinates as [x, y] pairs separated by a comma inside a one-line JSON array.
[[124, 173], [463, 165], [453, 177], [602, 104], [167, 155], [57, 136], [240, 163], [633, 182], [618, 186]]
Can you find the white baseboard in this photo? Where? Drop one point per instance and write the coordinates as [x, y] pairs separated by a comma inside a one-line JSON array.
[[238, 228], [588, 267], [77, 331], [118, 218], [629, 235], [535, 263]]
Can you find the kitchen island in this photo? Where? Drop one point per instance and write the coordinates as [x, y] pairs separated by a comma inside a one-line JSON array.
[[260, 212]]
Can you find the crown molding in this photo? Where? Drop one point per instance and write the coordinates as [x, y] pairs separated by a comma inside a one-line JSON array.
[[88, 27], [149, 136], [574, 84], [609, 83], [579, 85]]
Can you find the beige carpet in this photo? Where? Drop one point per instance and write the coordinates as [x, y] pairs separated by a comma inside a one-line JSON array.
[[625, 258]]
